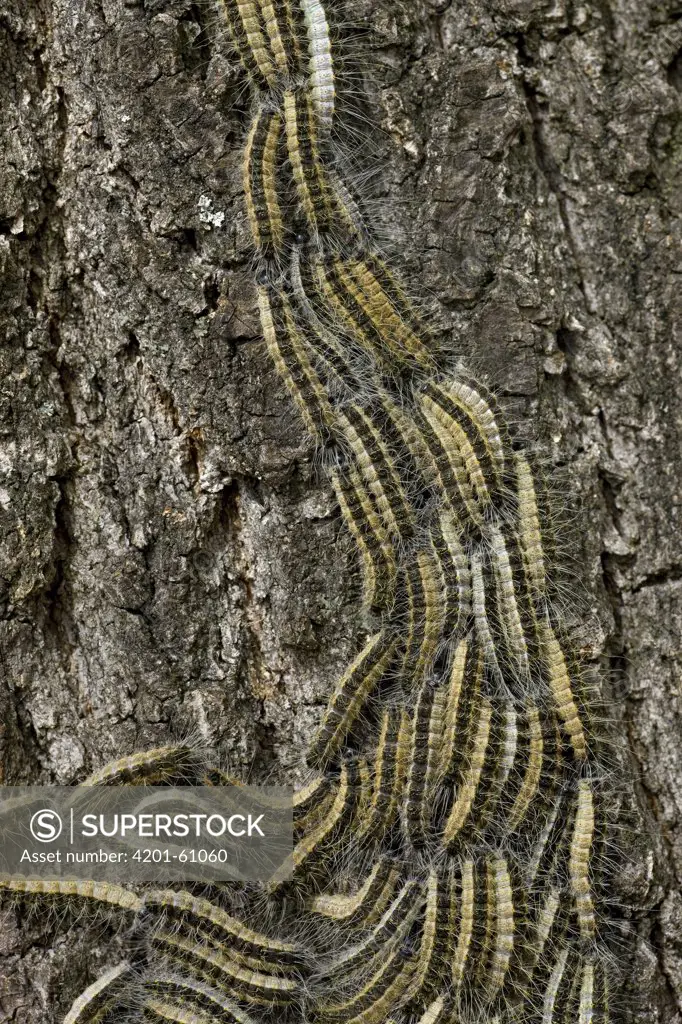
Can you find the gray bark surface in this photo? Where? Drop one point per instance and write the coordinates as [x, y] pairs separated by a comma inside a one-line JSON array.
[[171, 560]]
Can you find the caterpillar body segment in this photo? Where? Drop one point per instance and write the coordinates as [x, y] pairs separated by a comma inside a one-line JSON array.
[[100, 998], [504, 928], [462, 572], [507, 603], [384, 315], [391, 287], [362, 315], [416, 777], [380, 811], [533, 769], [436, 1011], [261, 182], [480, 610], [353, 908], [351, 317], [490, 462], [354, 688], [246, 32], [463, 708], [189, 991], [385, 990], [105, 893], [488, 807], [306, 823], [322, 207], [211, 964], [480, 406], [249, 24], [310, 849], [171, 764], [559, 684], [529, 530], [179, 905], [290, 359], [463, 910], [461, 456], [284, 27], [454, 701], [423, 585], [378, 468], [467, 791], [432, 955], [321, 66], [386, 895], [377, 553], [391, 929], [434, 755], [173, 1013], [553, 985], [579, 861]]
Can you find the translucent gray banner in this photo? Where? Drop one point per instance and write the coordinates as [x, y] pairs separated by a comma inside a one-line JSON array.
[[146, 833]]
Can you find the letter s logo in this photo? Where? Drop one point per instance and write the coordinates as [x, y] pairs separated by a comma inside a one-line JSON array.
[[46, 826]]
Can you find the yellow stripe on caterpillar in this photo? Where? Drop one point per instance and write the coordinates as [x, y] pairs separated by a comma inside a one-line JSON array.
[[171, 1013], [353, 689], [97, 892], [559, 682], [252, 28], [529, 530], [376, 551], [507, 602], [342, 907], [466, 793], [532, 774], [231, 10], [177, 903], [189, 989], [480, 611], [210, 962], [553, 986], [504, 930], [175, 762], [579, 861], [466, 467]]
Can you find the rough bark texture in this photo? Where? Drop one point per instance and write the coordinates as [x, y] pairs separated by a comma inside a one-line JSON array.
[[170, 558]]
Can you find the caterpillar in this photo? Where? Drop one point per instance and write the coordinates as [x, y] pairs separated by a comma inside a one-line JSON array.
[[168, 764], [181, 992], [99, 998], [322, 88], [105, 893], [443, 866], [353, 689], [241, 983], [210, 918]]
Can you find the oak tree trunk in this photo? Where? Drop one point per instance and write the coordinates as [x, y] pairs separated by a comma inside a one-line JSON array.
[[171, 559]]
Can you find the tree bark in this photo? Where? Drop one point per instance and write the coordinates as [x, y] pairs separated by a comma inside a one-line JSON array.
[[171, 558]]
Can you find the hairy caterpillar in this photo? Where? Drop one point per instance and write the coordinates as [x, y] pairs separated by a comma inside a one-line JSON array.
[[169, 764], [356, 684], [209, 917], [105, 893], [242, 983], [322, 88], [260, 182], [99, 998], [459, 777]]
